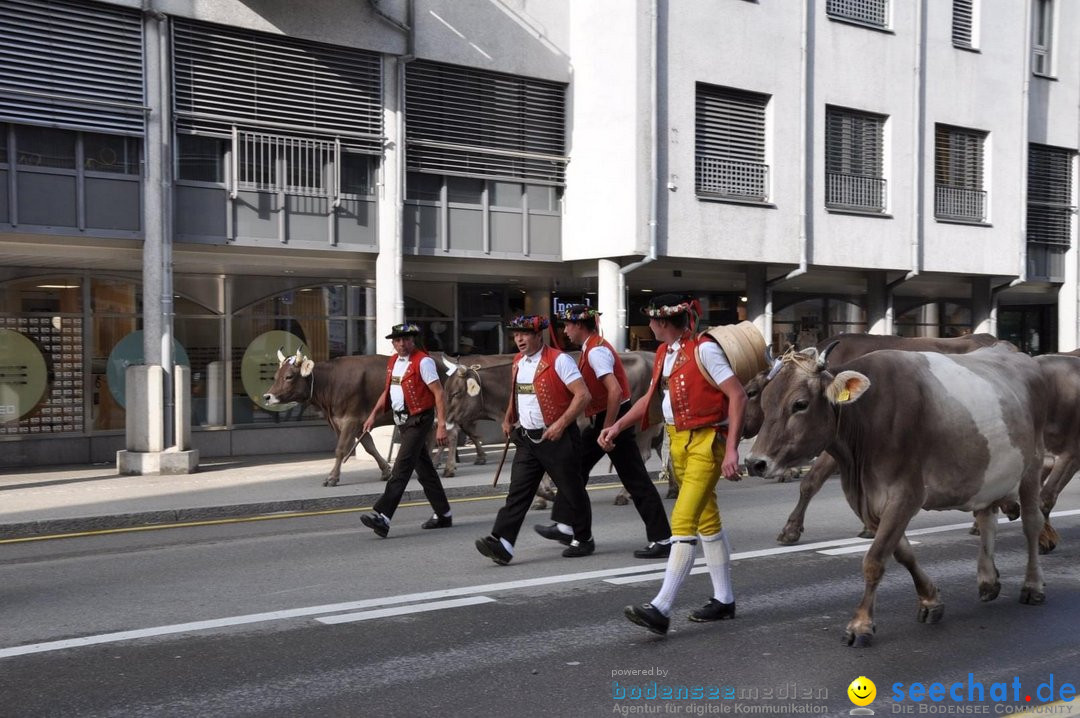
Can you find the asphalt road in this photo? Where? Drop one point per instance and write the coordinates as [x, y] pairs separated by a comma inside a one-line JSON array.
[[243, 620]]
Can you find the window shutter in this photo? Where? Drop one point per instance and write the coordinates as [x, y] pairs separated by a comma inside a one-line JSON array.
[[225, 77], [958, 174], [962, 16], [74, 65], [1049, 201], [475, 123], [730, 143], [869, 12], [854, 166]]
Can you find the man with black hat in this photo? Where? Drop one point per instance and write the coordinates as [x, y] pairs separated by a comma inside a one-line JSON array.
[[703, 405], [606, 380], [416, 398], [547, 395]]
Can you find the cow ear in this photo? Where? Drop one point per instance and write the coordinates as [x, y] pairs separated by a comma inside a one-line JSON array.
[[472, 386], [306, 367], [847, 387]]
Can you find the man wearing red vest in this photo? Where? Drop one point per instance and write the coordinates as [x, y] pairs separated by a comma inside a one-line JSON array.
[[703, 404], [416, 398], [606, 381], [547, 395]]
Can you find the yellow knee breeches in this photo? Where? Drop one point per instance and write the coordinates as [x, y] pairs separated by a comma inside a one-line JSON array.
[[696, 457]]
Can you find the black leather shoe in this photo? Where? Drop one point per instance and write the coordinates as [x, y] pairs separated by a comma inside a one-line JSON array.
[[648, 616], [577, 549], [438, 522], [552, 532], [714, 610], [376, 523], [493, 549], [655, 549]]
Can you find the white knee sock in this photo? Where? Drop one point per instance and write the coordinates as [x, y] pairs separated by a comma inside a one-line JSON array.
[[718, 560], [679, 563]]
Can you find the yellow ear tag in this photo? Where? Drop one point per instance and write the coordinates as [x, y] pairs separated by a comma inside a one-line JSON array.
[[843, 396]]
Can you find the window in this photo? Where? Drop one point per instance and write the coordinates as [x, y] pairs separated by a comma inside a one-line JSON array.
[[958, 174], [854, 163], [356, 173], [868, 12], [1042, 34], [3, 143], [729, 144], [963, 23], [1049, 195], [200, 159], [45, 147], [110, 153]]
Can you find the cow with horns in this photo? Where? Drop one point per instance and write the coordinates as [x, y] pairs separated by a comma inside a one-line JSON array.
[[913, 430]]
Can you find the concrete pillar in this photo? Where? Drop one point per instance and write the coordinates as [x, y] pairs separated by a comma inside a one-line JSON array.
[[877, 304], [144, 399], [982, 303], [389, 280], [538, 301], [215, 393], [613, 324], [1069, 302], [756, 299]]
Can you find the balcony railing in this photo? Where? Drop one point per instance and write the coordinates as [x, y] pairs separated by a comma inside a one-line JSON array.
[[732, 178], [856, 192], [965, 205]]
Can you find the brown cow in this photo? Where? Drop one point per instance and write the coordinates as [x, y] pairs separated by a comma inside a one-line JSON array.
[[846, 348], [913, 430], [344, 390], [1062, 437]]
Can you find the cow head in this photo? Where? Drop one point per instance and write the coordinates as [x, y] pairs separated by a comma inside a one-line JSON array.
[[292, 380], [800, 406], [753, 416], [464, 403]]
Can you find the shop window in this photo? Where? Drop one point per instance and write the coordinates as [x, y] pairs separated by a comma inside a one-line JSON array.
[[110, 153], [200, 159], [807, 322], [45, 147], [934, 319]]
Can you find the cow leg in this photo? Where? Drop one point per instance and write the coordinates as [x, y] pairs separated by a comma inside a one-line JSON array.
[[1065, 466], [481, 457], [860, 629], [450, 467], [823, 467], [347, 431], [1032, 519], [931, 609], [989, 585], [369, 446]]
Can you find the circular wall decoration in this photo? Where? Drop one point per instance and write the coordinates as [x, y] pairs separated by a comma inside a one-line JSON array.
[[23, 375], [260, 363], [129, 352]]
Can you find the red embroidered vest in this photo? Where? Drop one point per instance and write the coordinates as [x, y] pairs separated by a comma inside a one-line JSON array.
[[418, 396], [593, 383], [550, 391], [694, 401]]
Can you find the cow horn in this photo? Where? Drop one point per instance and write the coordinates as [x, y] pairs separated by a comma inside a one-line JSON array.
[[823, 357], [451, 367], [281, 355], [769, 358]]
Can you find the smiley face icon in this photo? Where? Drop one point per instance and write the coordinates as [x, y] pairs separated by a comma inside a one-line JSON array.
[[862, 691]]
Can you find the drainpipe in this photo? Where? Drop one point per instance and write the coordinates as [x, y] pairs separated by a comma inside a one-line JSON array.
[[806, 163], [654, 153]]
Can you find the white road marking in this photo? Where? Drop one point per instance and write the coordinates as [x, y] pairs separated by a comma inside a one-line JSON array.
[[627, 574], [853, 549], [404, 610]]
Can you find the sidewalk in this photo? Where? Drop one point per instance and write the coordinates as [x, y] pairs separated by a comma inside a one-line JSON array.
[[59, 500]]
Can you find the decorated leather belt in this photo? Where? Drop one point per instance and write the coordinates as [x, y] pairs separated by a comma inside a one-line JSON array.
[[395, 380], [533, 435], [526, 389], [663, 383]]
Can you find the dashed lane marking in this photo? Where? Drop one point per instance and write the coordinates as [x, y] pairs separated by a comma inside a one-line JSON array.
[[404, 610]]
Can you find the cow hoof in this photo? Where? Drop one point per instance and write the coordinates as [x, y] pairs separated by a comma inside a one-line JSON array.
[[1046, 547], [539, 505], [866, 534], [974, 530], [858, 640], [1032, 597], [789, 537], [930, 614], [386, 473], [989, 593], [621, 500], [480, 460], [672, 493], [330, 481], [448, 474]]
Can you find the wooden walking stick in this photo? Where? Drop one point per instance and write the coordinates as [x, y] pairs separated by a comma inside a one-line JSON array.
[[506, 448]]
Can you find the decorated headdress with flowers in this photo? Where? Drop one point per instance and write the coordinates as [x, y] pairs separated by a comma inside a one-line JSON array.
[[528, 323]]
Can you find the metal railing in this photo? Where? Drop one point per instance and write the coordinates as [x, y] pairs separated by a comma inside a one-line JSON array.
[[732, 178], [960, 204], [866, 194], [869, 12], [277, 163]]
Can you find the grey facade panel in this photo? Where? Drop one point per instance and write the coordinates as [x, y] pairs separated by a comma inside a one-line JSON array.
[[5, 211], [257, 215], [113, 204], [506, 232], [466, 229], [421, 224], [307, 219], [356, 222], [46, 199], [544, 233], [200, 211]]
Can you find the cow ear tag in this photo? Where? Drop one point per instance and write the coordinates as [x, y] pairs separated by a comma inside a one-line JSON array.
[[472, 386], [843, 395], [306, 367]]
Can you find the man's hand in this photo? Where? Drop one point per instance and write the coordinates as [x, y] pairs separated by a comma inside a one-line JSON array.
[[507, 427], [607, 437], [441, 437], [730, 467], [369, 424], [554, 432]]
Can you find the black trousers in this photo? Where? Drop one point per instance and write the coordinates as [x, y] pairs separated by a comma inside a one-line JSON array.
[[413, 455], [560, 460], [632, 474]]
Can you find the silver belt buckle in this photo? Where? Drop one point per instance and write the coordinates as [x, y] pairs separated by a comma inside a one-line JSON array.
[[400, 417]]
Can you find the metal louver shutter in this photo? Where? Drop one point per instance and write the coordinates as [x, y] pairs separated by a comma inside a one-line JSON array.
[[476, 123], [74, 65], [225, 77], [870, 12], [1050, 187], [961, 23], [729, 143], [853, 143], [958, 157]]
